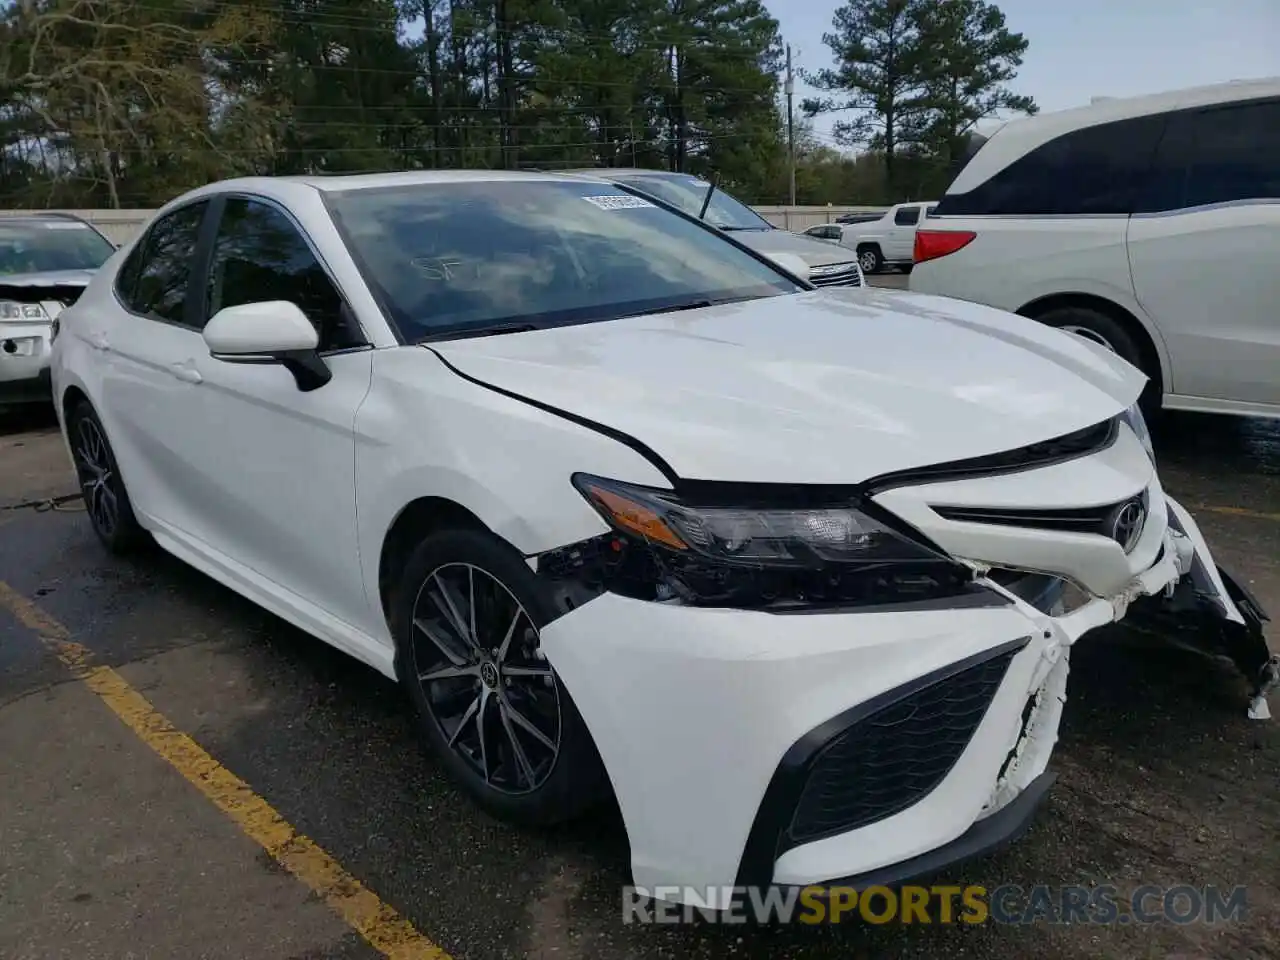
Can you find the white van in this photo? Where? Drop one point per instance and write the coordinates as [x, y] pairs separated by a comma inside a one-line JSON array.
[[1150, 225]]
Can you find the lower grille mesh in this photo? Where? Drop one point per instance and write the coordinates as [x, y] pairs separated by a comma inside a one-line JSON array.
[[895, 756]]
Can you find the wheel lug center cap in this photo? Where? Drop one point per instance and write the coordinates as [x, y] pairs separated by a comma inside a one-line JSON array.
[[489, 674]]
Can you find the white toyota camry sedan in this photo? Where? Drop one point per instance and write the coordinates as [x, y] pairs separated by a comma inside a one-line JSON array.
[[627, 507]]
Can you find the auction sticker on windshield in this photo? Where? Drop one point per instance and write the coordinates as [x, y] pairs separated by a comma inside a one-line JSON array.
[[618, 202]]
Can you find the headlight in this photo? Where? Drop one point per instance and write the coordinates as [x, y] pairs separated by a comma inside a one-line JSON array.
[[1138, 423], [755, 537], [12, 310], [719, 553]]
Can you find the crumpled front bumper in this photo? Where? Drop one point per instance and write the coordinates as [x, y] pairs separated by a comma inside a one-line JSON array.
[[714, 725], [24, 361]]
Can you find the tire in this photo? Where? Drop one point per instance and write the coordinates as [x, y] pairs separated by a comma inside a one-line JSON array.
[[553, 773], [906, 267], [1110, 333], [106, 500], [870, 259]]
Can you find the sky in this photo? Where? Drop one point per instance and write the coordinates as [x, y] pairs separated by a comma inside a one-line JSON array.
[[1080, 49]]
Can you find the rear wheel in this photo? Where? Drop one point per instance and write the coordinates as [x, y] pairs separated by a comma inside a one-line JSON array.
[[106, 500], [1111, 334], [870, 259], [467, 620]]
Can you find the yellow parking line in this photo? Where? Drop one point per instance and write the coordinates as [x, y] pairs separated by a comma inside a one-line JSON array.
[[384, 928], [1237, 512]]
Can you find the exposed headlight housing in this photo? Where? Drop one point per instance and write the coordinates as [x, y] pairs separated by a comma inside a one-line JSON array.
[[715, 551], [11, 310], [1138, 424]]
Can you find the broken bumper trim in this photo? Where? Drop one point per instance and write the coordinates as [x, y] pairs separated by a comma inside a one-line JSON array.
[[985, 837]]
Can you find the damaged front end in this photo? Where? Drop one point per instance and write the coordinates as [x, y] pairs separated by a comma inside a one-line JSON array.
[[1208, 611]]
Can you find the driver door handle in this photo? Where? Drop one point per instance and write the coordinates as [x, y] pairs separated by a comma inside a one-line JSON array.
[[186, 372]]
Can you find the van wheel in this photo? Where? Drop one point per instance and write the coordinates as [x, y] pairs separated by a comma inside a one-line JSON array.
[[1099, 328], [870, 260], [1107, 332]]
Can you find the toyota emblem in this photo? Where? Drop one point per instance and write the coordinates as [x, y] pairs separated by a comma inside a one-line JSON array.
[[1127, 523]]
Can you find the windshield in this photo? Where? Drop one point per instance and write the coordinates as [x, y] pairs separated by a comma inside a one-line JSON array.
[[39, 247], [688, 193], [466, 258]]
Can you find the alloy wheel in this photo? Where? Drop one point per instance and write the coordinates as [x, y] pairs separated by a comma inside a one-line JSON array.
[[867, 261], [1089, 334], [485, 680], [94, 470]]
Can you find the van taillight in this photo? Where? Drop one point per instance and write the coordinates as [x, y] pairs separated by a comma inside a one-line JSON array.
[[931, 244]]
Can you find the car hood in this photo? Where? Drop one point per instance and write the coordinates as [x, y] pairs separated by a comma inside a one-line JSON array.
[[831, 386], [816, 253], [48, 278]]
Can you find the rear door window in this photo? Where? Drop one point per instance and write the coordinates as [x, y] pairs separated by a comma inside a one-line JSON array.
[[153, 280], [907, 216], [1219, 155], [1097, 170]]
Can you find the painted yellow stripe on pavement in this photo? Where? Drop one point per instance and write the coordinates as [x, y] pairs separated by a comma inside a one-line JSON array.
[[379, 924], [1236, 512]]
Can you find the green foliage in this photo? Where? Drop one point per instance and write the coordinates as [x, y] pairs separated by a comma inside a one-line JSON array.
[[917, 75], [128, 102]]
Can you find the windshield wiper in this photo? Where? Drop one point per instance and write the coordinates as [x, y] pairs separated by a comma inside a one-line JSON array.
[[488, 330], [688, 305], [761, 229]]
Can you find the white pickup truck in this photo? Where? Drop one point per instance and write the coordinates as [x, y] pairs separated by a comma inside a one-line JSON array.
[[885, 242]]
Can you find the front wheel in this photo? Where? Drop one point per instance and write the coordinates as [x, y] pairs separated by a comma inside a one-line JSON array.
[[870, 260], [467, 619]]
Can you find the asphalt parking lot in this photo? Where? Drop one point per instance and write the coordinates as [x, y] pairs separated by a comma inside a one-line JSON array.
[[230, 788]]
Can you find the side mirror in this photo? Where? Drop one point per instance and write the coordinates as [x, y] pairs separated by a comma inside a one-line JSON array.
[[792, 263], [271, 331]]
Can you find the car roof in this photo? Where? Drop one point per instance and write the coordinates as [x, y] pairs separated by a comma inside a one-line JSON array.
[[41, 216], [610, 173], [1022, 135]]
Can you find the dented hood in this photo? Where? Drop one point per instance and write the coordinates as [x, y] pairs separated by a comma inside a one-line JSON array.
[[48, 278], [816, 253], [832, 386]]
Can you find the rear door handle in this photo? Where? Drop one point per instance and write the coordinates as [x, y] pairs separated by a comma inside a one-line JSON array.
[[186, 372]]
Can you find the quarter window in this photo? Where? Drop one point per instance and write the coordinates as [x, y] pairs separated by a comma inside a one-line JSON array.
[[1096, 170], [154, 279], [1218, 155], [258, 255], [907, 216]]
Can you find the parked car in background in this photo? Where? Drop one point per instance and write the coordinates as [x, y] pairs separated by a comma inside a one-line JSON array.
[[626, 508], [46, 260], [887, 240], [1149, 225], [827, 267], [857, 217], [831, 232]]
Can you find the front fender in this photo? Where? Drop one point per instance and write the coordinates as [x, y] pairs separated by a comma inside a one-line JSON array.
[[423, 431]]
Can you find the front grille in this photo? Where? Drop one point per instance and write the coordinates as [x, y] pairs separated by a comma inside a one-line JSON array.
[[1100, 521], [895, 756], [845, 278]]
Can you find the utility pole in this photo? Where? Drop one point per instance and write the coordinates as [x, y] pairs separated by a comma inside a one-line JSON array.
[[790, 89]]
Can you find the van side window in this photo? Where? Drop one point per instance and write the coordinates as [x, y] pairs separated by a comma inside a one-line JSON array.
[[1218, 155], [1096, 170]]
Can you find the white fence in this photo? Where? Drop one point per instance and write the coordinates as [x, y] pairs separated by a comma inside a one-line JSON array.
[[121, 225]]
